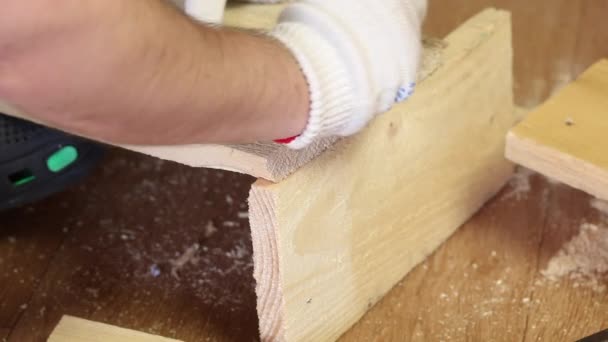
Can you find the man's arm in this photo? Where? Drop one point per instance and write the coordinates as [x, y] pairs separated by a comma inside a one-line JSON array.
[[140, 72]]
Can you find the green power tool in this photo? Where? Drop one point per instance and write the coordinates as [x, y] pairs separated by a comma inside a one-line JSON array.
[[36, 161]]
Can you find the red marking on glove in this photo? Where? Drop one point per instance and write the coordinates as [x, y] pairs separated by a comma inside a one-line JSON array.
[[286, 140]]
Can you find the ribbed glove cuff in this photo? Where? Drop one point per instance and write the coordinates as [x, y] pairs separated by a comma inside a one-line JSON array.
[[331, 93]]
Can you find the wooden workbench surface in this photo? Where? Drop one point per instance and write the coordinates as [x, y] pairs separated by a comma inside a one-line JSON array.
[[163, 248]]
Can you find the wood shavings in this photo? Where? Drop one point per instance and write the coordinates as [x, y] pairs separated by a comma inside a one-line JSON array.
[[210, 229], [189, 256], [584, 258], [519, 184]]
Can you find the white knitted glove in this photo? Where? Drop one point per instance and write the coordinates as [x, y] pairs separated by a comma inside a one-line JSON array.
[[358, 56]]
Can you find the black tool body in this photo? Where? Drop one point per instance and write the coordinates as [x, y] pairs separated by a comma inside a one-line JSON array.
[[36, 161]]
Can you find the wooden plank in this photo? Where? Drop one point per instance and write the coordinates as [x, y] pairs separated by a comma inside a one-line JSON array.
[[330, 240], [264, 160], [72, 329], [565, 138]]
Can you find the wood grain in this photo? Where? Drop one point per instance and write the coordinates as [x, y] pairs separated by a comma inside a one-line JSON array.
[[333, 243], [72, 329], [565, 138]]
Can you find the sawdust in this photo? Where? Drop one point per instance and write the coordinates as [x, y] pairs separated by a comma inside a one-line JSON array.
[[189, 256], [230, 224], [484, 308], [583, 259], [171, 239], [519, 185], [210, 229]]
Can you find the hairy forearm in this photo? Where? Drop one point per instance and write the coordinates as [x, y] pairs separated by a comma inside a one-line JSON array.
[[140, 72]]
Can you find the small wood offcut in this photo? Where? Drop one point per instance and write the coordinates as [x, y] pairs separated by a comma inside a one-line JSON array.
[[566, 137]]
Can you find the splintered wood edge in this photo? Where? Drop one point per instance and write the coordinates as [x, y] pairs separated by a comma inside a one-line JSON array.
[[72, 329], [558, 165], [265, 240]]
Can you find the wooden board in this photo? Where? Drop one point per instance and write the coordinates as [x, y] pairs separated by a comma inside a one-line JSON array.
[[333, 238], [270, 161], [566, 138], [72, 329]]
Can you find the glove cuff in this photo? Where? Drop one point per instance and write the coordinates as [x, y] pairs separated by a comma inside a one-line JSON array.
[[331, 93]]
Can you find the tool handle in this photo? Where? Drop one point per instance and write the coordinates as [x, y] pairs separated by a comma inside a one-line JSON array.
[[210, 11]]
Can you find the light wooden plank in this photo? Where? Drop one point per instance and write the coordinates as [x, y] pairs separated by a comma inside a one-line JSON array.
[[567, 137], [330, 240], [72, 329], [264, 160]]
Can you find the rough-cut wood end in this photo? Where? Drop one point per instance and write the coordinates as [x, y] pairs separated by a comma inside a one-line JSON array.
[[264, 230]]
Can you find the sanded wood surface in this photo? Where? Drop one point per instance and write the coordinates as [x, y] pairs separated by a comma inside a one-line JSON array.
[[566, 137], [73, 329], [334, 237], [66, 255]]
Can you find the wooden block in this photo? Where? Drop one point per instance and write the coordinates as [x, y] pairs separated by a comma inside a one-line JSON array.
[[566, 138], [331, 239], [264, 160], [72, 329]]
